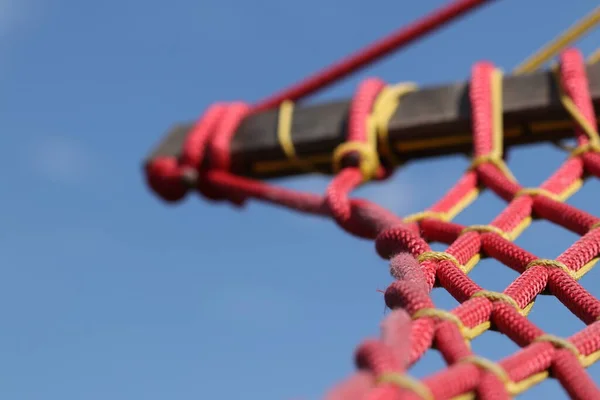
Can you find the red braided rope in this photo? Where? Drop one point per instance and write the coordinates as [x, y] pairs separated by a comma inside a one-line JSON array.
[[376, 51], [166, 176], [410, 330], [409, 293]]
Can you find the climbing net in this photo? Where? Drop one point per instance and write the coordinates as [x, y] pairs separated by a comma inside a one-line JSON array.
[[415, 325]]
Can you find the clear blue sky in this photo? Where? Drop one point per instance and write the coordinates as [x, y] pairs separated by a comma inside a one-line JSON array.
[[108, 293]]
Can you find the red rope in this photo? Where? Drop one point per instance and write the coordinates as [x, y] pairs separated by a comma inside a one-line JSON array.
[[404, 341], [166, 176], [376, 51], [411, 328], [409, 293]]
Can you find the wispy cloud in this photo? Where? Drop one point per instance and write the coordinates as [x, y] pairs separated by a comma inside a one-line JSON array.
[[15, 15], [8, 15], [397, 195], [60, 159], [57, 158]]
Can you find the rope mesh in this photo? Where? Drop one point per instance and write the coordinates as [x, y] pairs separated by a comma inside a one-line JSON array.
[[415, 325], [450, 331]]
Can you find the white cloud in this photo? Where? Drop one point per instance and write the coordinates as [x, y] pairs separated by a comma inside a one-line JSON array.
[[397, 195], [14, 14], [60, 159], [17, 17]]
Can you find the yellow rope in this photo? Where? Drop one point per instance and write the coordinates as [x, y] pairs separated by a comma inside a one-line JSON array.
[[385, 106], [498, 163], [579, 118], [489, 366], [579, 150], [438, 256], [441, 315], [497, 115], [447, 215], [497, 296], [534, 62], [420, 216], [284, 135], [369, 159], [537, 192], [513, 388], [551, 49], [486, 229], [378, 142], [551, 264], [559, 343], [594, 57], [406, 382]]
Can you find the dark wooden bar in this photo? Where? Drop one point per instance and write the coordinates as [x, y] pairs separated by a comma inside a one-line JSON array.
[[429, 122]]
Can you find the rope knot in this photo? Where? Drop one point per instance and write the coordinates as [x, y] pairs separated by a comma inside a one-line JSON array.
[[361, 148], [209, 139], [163, 177], [361, 155]]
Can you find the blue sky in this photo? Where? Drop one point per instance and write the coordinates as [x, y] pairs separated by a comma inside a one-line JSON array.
[[108, 293]]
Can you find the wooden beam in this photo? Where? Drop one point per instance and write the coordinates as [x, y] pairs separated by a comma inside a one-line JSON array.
[[429, 122]]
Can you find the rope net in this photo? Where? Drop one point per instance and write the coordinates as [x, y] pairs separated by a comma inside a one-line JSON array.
[[415, 325]]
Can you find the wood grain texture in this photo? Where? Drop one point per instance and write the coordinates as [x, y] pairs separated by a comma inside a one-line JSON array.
[[429, 122]]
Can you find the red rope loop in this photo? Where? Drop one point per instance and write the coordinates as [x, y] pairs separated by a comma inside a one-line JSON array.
[[206, 146], [356, 160]]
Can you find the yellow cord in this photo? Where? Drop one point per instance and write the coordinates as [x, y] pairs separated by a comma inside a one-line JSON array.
[[489, 366], [572, 109], [537, 192], [559, 343], [385, 106], [554, 47], [420, 216], [594, 57], [377, 133], [497, 115], [438, 256], [284, 135], [588, 147], [406, 382], [441, 315], [369, 159], [535, 61], [497, 296], [552, 264], [495, 155], [486, 229]]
